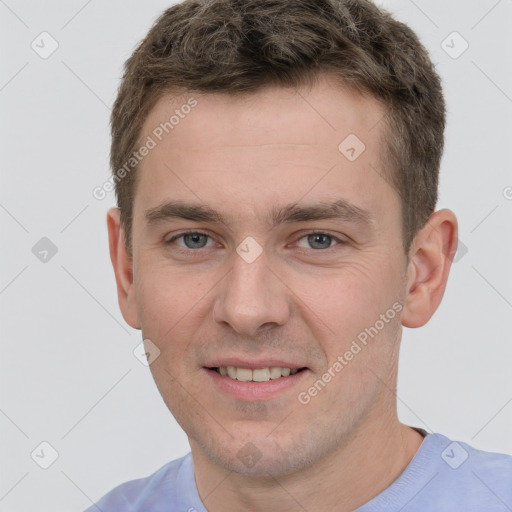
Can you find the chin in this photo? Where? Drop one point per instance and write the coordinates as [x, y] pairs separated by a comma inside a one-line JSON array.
[[251, 461], [262, 456]]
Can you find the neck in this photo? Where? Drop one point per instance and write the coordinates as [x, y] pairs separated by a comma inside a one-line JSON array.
[[350, 476]]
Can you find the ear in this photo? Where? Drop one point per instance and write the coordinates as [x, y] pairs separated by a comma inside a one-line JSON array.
[[430, 259], [123, 268]]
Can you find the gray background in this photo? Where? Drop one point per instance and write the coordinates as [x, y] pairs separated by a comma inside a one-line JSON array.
[[68, 374]]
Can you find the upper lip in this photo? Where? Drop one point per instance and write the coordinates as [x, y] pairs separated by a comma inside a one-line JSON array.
[[252, 364]]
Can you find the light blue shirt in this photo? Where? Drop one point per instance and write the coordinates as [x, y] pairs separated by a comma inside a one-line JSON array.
[[443, 476]]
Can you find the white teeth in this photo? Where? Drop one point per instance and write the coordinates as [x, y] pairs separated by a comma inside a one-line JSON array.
[[243, 374], [256, 375], [260, 375], [275, 372]]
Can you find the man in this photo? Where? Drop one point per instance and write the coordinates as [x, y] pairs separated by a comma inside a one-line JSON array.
[[276, 168]]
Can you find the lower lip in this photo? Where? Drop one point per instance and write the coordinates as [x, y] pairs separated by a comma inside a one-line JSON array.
[[255, 390]]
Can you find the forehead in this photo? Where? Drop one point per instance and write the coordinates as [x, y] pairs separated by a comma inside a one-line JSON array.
[[264, 148], [278, 114]]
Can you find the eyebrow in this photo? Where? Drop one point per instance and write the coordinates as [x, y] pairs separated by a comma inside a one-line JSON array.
[[339, 209]]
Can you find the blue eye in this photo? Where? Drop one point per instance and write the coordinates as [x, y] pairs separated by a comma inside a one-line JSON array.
[[192, 240], [318, 241]]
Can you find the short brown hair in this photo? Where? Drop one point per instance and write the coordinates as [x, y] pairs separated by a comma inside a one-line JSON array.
[[239, 46]]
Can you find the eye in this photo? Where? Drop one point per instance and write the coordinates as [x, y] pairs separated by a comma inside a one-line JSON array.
[[319, 240], [191, 240]]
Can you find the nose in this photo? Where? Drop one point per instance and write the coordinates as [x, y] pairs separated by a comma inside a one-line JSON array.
[[252, 297]]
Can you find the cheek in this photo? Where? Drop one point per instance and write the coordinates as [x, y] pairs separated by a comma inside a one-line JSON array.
[[347, 308], [170, 304], [349, 299]]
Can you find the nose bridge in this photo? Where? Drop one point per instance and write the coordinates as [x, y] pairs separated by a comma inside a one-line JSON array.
[[251, 295]]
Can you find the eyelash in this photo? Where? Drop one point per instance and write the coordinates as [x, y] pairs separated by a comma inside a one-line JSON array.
[[314, 232]]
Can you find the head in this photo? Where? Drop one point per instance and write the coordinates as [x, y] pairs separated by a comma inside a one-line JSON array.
[[299, 145]]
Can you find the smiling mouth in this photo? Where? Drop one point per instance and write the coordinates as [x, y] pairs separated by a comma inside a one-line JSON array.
[[256, 374]]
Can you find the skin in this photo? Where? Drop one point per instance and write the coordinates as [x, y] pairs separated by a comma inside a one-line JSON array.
[[243, 156]]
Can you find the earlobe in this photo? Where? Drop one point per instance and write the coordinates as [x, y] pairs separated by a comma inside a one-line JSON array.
[[123, 268], [430, 258]]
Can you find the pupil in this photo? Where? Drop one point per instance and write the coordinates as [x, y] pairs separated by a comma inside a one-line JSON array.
[[314, 239], [196, 240]]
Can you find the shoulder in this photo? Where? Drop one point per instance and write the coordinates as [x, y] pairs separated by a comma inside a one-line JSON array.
[[493, 470], [474, 476], [456, 454], [446, 475], [164, 486]]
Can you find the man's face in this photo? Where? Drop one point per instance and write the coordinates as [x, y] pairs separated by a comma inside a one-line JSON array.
[[211, 299]]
